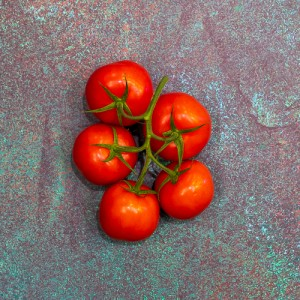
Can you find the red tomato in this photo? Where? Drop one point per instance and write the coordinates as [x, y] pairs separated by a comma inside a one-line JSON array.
[[187, 113], [89, 158], [124, 215], [112, 76], [190, 195]]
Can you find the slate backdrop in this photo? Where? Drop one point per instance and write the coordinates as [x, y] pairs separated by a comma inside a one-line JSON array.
[[239, 58]]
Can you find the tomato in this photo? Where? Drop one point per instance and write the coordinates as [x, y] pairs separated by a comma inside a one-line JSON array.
[[190, 195], [89, 158], [112, 76], [124, 215], [187, 113]]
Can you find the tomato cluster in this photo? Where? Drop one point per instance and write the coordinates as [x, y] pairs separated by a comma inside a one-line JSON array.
[[175, 126]]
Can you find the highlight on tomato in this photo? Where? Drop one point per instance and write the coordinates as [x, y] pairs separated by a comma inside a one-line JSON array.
[[125, 215], [124, 84], [190, 195], [96, 157]]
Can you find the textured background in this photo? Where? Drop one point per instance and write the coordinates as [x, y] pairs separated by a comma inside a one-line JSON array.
[[241, 60]]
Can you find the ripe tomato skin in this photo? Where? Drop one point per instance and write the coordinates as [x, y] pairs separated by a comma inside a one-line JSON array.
[[187, 113], [123, 215], [89, 158], [190, 195], [112, 76]]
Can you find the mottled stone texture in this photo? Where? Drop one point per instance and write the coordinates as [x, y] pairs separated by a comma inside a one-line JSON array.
[[241, 60]]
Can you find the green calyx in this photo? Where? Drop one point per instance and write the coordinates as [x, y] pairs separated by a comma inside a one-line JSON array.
[[174, 135], [173, 177], [136, 190], [117, 102], [115, 150]]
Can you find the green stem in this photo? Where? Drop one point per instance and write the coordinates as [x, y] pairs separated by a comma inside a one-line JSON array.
[[157, 137], [153, 102], [143, 173], [155, 97], [170, 172], [134, 118], [147, 116], [130, 149]]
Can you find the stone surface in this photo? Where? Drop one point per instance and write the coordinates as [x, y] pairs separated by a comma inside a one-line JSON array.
[[241, 60]]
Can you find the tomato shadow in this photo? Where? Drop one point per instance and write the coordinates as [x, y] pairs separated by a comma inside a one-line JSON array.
[[169, 220], [82, 179]]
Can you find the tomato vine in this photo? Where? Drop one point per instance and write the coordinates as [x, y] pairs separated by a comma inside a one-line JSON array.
[[176, 127], [173, 135]]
